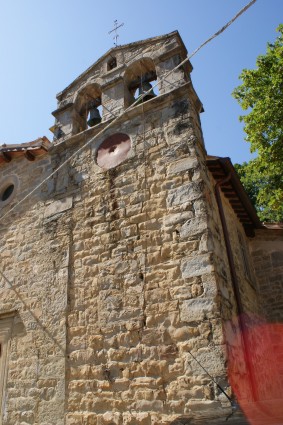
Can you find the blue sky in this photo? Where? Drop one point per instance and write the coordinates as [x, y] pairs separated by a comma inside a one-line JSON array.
[[45, 45]]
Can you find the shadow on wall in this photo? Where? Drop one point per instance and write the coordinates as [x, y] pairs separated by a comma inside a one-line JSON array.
[[236, 418]]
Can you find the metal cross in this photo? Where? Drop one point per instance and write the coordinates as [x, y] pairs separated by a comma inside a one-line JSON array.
[[116, 26]]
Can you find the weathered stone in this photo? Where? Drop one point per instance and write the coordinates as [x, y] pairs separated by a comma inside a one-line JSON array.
[[196, 265], [197, 309], [173, 219], [58, 206], [194, 226], [182, 165], [184, 194]]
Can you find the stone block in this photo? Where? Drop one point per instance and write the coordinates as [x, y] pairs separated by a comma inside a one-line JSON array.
[[184, 194], [58, 206], [194, 226], [128, 231], [171, 220], [182, 165], [51, 412], [196, 265], [197, 309], [140, 418], [148, 406]]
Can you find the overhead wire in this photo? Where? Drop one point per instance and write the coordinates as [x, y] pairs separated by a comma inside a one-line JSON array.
[[232, 401], [145, 198], [37, 320], [243, 10]]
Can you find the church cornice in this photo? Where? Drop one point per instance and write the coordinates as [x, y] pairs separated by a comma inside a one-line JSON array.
[[29, 150], [234, 191]]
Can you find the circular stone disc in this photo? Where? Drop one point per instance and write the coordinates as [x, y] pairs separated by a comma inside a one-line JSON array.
[[113, 151]]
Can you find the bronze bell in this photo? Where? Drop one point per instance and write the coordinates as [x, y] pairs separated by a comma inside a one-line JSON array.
[[146, 86], [94, 116]]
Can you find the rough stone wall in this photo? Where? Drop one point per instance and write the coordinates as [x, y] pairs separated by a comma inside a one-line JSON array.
[[112, 281], [267, 253], [33, 285], [266, 250], [216, 242], [259, 277], [117, 280], [240, 244], [235, 348], [142, 292]]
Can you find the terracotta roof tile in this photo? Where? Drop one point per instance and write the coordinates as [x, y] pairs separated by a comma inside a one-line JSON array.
[[29, 150]]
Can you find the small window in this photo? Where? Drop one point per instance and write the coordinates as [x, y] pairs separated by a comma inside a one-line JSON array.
[[6, 193], [8, 190], [111, 64]]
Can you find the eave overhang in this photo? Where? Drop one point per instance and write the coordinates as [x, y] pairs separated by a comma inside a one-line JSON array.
[[234, 191], [29, 150]]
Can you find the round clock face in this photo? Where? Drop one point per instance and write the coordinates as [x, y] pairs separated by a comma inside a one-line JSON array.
[[113, 151]]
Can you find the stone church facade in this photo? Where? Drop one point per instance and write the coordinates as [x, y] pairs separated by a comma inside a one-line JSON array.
[[130, 257]]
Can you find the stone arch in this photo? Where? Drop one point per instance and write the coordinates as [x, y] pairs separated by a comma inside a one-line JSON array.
[[88, 97], [137, 73]]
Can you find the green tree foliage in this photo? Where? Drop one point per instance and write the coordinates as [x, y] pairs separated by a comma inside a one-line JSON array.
[[261, 94]]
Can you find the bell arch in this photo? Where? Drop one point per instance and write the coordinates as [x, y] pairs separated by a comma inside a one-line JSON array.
[[139, 77], [87, 108]]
